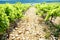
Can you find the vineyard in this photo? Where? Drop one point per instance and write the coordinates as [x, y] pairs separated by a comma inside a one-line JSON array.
[[51, 15], [9, 13], [25, 22]]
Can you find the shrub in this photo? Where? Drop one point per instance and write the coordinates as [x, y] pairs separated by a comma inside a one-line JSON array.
[[4, 22]]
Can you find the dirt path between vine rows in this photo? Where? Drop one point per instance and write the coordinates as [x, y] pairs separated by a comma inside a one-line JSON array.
[[29, 28]]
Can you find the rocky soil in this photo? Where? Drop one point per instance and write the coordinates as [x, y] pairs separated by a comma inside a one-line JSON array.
[[31, 27]]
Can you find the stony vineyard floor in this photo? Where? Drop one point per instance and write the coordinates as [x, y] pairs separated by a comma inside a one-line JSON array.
[[29, 28]]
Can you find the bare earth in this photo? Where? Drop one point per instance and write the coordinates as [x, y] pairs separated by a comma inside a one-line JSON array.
[[29, 28]]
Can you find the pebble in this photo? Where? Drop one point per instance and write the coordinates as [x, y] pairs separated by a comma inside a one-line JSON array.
[[13, 37], [16, 28], [13, 29], [18, 38], [19, 32], [42, 39], [27, 32], [27, 29], [23, 38], [16, 35]]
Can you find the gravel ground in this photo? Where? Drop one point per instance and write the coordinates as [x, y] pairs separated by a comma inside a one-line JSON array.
[[29, 28]]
